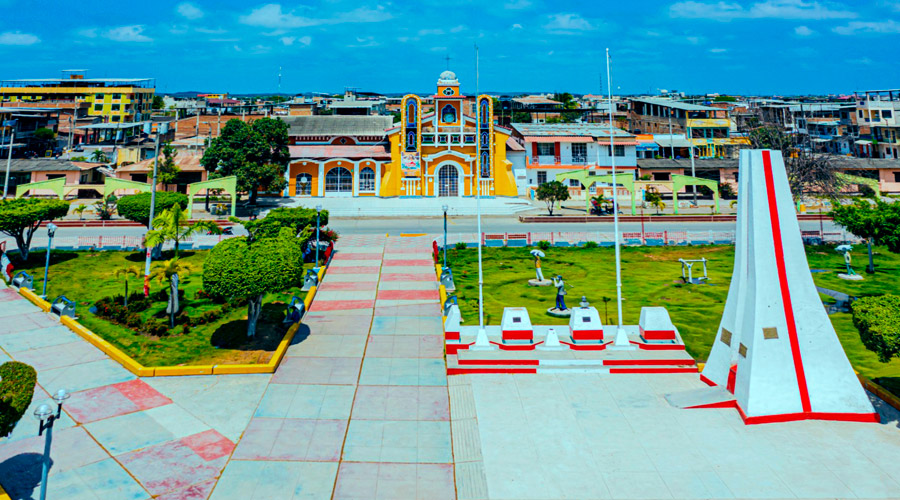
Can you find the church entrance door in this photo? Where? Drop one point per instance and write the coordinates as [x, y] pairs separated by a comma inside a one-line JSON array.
[[448, 181]]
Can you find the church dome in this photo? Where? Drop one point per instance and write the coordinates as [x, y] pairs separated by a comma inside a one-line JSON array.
[[448, 77]]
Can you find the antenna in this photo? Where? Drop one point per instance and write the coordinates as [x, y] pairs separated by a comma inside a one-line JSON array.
[[447, 58]]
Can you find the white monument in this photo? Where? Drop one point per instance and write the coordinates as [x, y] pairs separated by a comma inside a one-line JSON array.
[[656, 325], [585, 325], [776, 349], [515, 325]]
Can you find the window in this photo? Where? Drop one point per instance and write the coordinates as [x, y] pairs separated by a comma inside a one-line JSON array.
[[448, 114], [661, 176], [545, 149], [896, 176], [454, 139], [115, 107], [427, 139], [887, 114], [98, 107], [575, 183], [99, 97], [542, 178], [303, 185], [139, 177], [367, 180], [470, 139], [117, 96], [579, 153], [115, 118], [620, 150], [55, 176]]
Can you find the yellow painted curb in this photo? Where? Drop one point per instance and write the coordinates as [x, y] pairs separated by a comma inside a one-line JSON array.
[[879, 391], [443, 291], [28, 294], [140, 370], [437, 271], [3, 494]]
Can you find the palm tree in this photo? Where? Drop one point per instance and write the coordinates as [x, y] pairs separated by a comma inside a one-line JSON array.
[[126, 272], [80, 210], [170, 270], [99, 156], [173, 225]]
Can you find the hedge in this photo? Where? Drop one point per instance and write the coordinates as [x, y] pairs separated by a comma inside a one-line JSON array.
[[17, 381], [878, 320], [136, 207]]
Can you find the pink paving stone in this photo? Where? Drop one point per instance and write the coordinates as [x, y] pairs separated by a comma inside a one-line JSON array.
[[141, 394], [99, 403], [395, 249], [373, 481], [353, 270], [209, 445], [199, 491], [350, 285], [8, 294], [410, 310], [356, 256], [405, 346], [408, 276], [341, 305], [408, 295], [401, 269], [409, 262], [374, 402], [170, 466]]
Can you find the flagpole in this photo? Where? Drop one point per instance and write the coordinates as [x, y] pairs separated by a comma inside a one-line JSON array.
[[621, 337], [478, 211]]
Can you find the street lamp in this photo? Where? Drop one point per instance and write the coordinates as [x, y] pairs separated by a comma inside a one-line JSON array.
[[161, 128], [318, 212], [445, 236], [12, 139], [45, 415], [51, 230]]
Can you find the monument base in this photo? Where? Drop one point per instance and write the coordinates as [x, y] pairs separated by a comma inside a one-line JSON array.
[[535, 282], [850, 277], [559, 313]]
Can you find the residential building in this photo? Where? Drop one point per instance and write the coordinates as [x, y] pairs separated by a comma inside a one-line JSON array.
[[879, 110], [191, 171], [444, 153], [709, 129], [24, 171], [113, 100], [22, 123], [352, 104]]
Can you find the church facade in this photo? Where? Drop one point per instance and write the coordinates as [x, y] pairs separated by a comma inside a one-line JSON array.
[[454, 150]]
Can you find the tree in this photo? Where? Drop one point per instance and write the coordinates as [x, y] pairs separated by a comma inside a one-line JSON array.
[[106, 207], [552, 192], [80, 210], [167, 171], [653, 197], [296, 218], [878, 320], [126, 272], [136, 207], [256, 153], [21, 217], [173, 225], [876, 221], [99, 156], [726, 191], [521, 117], [808, 173], [158, 102], [171, 271], [567, 100], [17, 381], [245, 269]]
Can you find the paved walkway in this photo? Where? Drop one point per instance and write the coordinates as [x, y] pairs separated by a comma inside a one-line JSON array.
[[357, 409]]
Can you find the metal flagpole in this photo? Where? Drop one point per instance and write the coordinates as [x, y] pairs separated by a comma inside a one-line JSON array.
[[477, 177], [12, 140], [621, 337]]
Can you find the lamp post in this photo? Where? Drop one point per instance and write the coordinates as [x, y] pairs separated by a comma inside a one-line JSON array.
[[445, 236], [45, 415], [12, 139], [161, 128], [51, 230], [318, 212]]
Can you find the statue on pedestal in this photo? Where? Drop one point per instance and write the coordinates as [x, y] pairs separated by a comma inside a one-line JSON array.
[[560, 310], [539, 279]]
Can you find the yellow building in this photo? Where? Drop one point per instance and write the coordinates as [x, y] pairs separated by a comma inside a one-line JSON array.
[[448, 152], [121, 100]]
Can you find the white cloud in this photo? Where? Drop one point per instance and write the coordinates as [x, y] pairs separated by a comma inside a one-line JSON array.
[[517, 4], [516, 26], [272, 16], [770, 9], [803, 31], [427, 32], [210, 31], [18, 38], [889, 27], [567, 23], [189, 11], [133, 33], [865, 61], [718, 50], [290, 40], [458, 29]]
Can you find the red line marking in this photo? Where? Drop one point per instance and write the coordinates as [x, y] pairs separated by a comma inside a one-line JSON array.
[[644, 362], [692, 369], [782, 279], [707, 381], [808, 415], [483, 362], [460, 371], [721, 404]]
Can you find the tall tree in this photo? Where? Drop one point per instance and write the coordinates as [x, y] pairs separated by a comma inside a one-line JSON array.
[[21, 217], [552, 192], [876, 221], [167, 170], [256, 153], [809, 173], [173, 225]]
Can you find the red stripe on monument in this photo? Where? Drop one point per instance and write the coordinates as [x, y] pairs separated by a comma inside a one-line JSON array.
[[782, 279]]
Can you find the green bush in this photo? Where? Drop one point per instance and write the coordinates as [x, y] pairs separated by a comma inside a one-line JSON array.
[[591, 244], [878, 320], [136, 207], [17, 381], [460, 245], [544, 245]]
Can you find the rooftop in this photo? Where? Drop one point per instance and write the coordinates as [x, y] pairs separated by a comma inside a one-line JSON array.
[[76, 82], [684, 106], [44, 165], [568, 130], [354, 126]]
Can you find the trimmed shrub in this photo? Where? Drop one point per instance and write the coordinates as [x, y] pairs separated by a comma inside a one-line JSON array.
[[17, 381], [878, 320], [136, 207], [460, 245], [591, 244], [544, 245]]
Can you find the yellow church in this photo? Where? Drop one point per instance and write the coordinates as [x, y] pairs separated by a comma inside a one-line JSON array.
[[453, 151]]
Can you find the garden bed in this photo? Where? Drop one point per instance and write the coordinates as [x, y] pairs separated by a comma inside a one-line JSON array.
[[651, 276], [208, 331]]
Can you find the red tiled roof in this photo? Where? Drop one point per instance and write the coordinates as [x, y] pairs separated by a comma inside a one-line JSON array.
[[187, 162], [349, 152], [559, 138], [513, 145]]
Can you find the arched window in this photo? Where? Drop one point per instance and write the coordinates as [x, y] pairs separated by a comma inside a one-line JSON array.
[[367, 180], [304, 185], [411, 141], [338, 180], [411, 112], [448, 114]]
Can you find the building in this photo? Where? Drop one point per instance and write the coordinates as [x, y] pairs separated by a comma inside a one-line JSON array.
[[22, 123], [708, 128], [190, 171], [551, 149], [351, 104], [113, 100], [443, 153], [25, 171], [879, 111]]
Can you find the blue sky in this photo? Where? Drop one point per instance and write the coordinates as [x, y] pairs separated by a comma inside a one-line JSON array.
[[762, 47]]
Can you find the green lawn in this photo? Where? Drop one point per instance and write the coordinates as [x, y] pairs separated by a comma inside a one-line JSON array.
[[651, 276], [86, 277]]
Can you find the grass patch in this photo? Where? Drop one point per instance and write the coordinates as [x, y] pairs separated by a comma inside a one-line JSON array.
[[651, 276], [86, 277]]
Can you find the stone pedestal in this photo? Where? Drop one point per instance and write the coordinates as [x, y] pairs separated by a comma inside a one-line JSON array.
[[559, 313], [536, 282]]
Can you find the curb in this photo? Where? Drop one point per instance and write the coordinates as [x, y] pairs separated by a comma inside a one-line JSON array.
[[140, 370], [882, 393]]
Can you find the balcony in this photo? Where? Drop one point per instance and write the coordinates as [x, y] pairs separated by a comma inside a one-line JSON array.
[[559, 160]]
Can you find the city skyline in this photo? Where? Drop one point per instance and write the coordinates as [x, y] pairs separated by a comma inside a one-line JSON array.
[[525, 45]]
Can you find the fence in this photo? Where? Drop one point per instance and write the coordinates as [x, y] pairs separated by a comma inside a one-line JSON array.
[[639, 238], [121, 242]]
